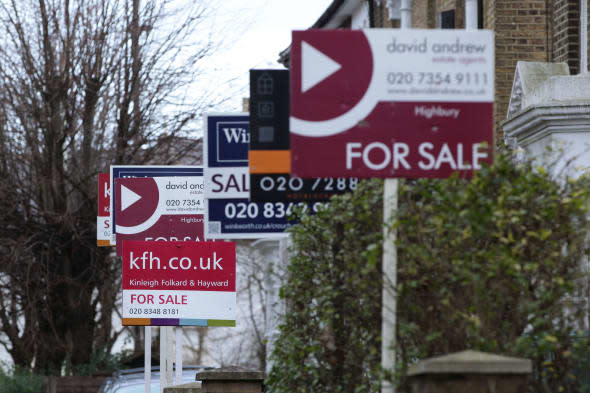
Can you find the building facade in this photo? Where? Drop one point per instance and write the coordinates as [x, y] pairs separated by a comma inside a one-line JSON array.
[[525, 30]]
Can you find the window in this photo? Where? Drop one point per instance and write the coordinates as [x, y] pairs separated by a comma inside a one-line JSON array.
[[447, 19]]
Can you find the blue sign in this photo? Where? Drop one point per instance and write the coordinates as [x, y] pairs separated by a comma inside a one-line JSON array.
[[242, 218], [126, 171], [228, 139], [230, 213]]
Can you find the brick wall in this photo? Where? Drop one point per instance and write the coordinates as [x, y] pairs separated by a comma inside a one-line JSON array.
[[460, 14], [425, 13], [420, 11], [489, 14], [523, 32]]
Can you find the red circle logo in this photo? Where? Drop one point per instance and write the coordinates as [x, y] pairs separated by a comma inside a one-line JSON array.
[[331, 72]]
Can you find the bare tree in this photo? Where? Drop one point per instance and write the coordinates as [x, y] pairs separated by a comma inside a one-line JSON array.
[[245, 344], [83, 84]]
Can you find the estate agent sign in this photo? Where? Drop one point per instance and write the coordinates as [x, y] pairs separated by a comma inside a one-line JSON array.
[[391, 103], [179, 283]]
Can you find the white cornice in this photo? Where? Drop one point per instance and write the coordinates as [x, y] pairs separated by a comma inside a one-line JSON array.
[[541, 121], [393, 8]]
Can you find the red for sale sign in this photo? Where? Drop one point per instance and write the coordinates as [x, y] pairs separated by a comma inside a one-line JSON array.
[[159, 209], [179, 283], [391, 103], [103, 222]]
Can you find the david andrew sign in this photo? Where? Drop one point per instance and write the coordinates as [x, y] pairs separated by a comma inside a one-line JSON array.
[[161, 203], [391, 103]]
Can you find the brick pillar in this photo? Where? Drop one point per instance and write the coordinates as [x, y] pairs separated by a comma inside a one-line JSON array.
[[230, 380], [470, 372], [523, 32]]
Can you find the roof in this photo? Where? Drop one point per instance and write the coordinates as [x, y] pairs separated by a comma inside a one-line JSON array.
[[328, 14]]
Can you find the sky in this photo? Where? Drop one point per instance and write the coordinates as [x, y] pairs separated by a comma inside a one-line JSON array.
[[261, 30]]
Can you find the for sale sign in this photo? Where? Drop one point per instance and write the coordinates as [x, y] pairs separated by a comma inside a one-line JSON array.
[[270, 154], [391, 103], [179, 283], [159, 209], [230, 213], [177, 226], [227, 137], [103, 221]]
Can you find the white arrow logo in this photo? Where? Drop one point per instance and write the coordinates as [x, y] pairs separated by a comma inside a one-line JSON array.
[[128, 197], [315, 66]]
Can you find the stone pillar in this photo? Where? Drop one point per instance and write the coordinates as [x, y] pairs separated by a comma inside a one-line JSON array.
[[193, 387], [550, 112], [231, 381], [470, 372]]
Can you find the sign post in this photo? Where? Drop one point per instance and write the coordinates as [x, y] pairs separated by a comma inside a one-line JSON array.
[[410, 104], [147, 358], [103, 223], [179, 283], [155, 208], [230, 212]]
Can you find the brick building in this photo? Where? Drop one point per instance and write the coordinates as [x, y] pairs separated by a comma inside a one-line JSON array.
[[526, 30]]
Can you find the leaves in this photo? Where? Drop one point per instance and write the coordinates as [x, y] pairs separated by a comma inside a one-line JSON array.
[[491, 263], [508, 246], [329, 341]]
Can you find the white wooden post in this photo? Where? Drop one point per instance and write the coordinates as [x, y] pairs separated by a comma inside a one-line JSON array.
[[389, 261], [274, 256], [471, 14], [163, 352], [389, 306], [169, 354], [178, 376], [147, 358]]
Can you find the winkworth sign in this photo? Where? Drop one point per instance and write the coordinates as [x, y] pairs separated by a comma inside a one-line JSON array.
[[229, 212]]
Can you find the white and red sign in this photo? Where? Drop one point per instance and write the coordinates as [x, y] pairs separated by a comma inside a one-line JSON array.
[[103, 221], [159, 209], [391, 103], [179, 283]]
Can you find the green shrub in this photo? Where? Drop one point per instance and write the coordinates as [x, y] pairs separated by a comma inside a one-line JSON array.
[[492, 263], [495, 264], [329, 341], [101, 362], [20, 381]]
